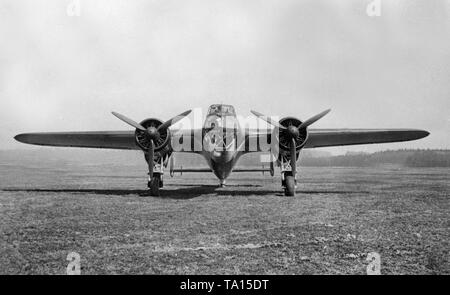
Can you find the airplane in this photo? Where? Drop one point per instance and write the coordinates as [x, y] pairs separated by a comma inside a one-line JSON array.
[[221, 141]]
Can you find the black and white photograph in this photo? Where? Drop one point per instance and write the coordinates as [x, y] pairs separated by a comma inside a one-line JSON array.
[[228, 138]]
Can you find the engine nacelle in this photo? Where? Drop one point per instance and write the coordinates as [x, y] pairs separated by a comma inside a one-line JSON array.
[[161, 144], [285, 139]]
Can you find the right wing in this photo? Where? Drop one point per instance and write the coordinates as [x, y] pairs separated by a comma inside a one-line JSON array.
[[339, 137], [124, 140]]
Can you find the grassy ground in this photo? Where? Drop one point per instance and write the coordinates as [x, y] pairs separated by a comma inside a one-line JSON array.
[[338, 216]]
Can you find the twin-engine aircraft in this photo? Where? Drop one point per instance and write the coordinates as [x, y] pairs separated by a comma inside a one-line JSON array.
[[221, 141]]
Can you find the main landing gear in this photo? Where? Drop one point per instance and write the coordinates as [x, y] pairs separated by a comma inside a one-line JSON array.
[[289, 184], [155, 177], [154, 184], [288, 177]]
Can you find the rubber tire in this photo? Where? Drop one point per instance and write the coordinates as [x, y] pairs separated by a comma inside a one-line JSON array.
[[154, 186], [289, 189]]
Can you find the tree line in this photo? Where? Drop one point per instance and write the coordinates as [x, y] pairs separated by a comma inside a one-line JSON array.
[[404, 157]]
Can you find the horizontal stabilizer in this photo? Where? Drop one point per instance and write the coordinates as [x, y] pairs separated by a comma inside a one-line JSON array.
[[200, 170], [192, 170], [245, 169]]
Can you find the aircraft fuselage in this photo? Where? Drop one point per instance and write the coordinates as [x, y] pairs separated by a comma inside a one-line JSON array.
[[221, 131]]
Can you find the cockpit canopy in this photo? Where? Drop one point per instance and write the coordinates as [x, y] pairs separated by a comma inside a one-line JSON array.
[[221, 110], [221, 116]]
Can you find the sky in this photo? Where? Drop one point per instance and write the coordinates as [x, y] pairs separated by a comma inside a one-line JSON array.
[[65, 65]]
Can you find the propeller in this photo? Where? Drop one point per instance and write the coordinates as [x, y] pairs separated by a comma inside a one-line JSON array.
[[293, 133], [174, 120], [313, 119], [152, 133], [268, 120], [129, 121]]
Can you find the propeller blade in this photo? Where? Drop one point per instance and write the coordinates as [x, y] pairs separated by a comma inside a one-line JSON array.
[[151, 152], [313, 119], [268, 120], [293, 154], [129, 121], [172, 121]]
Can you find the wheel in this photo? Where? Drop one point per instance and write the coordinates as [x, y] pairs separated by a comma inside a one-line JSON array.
[[289, 188], [154, 186]]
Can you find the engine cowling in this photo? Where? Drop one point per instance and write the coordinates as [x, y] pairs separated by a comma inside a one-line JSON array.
[[143, 141], [285, 138]]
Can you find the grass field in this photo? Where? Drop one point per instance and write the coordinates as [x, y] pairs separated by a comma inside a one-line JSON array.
[[338, 216]]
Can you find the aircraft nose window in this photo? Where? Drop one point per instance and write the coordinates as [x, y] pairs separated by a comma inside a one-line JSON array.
[[221, 110]]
